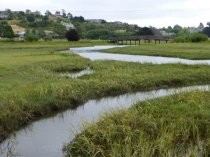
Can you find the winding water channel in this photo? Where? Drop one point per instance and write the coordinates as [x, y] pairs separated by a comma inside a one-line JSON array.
[[93, 53], [46, 137]]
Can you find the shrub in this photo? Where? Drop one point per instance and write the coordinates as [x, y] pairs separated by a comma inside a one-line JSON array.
[[31, 37], [181, 39], [48, 38], [198, 37], [145, 31], [72, 35], [98, 34], [194, 37], [206, 31], [60, 30]]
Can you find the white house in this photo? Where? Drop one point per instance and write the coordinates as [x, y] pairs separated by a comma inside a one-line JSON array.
[[164, 33], [3, 15], [95, 20], [68, 25]]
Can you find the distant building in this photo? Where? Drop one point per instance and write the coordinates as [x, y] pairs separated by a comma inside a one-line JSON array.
[[164, 33], [37, 13], [118, 23], [49, 33], [21, 35], [193, 30], [95, 20], [3, 15], [196, 29], [69, 15], [68, 25], [201, 27], [20, 31], [58, 13], [16, 12]]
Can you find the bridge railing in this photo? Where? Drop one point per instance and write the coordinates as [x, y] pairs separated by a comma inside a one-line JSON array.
[[144, 37]]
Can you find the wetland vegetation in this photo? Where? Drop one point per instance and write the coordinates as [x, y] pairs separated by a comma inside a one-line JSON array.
[[31, 87], [194, 51], [177, 125]]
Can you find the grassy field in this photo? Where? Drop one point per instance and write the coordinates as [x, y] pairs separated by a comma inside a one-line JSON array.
[[181, 50], [28, 72], [31, 85], [173, 126]]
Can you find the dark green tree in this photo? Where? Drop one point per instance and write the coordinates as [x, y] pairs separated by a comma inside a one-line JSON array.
[[30, 37], [10, 14], [20, 15], [72, 35], [30, 17], [145, 31], [206, 31], [6, 30], [177, 29], [78, 19]]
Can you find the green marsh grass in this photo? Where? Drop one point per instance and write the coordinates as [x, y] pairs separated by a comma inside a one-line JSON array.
[[172, 126], [194, 51], [31, 86]]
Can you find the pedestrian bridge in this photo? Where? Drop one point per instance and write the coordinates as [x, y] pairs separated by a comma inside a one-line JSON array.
[[129, 40]]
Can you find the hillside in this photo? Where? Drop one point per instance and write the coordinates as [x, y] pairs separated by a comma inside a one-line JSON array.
[[55, 25]]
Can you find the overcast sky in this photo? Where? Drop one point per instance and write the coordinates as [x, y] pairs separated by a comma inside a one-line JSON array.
[[156, 13]]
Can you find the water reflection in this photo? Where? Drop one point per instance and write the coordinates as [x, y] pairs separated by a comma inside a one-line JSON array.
[[79, 74], [9, 147]]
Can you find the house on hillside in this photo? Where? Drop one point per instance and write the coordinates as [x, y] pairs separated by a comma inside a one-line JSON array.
[[69, 15], [3, 15], [21, 35], [68, 25], [196, 29], [20, 31], [164, 33], [17, 29], [193, 29], [95, 20], [118, 23], [58, 14]]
